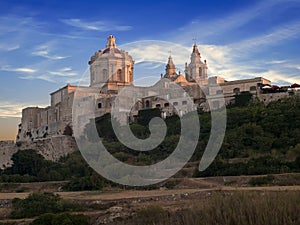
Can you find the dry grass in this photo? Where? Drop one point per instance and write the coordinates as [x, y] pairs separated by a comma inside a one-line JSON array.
[[229, 208]]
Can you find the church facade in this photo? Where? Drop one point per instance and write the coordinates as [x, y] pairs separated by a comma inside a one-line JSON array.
[[111, 70]]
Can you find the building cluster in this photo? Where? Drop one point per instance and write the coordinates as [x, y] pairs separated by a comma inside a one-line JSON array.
[[111, 71]]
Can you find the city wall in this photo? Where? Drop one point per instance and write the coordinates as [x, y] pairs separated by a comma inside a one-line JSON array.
[[51, 148]]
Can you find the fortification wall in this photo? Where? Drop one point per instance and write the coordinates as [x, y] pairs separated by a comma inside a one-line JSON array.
[[51, 148], [7, 149]]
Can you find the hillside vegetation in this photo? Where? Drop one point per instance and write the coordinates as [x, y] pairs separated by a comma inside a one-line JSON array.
[[259, 140]]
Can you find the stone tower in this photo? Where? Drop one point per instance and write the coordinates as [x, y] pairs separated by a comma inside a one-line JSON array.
[[196, 70], [111, 68]]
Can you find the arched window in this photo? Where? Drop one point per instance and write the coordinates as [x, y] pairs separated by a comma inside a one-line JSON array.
[[157, 106], [119, 75], [253, 88], [147, 104], [166, 105], [99, 105], [236, 90]]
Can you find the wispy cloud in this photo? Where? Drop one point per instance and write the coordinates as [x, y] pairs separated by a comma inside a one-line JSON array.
[[8, 109], [274, 62], [222, 61], [95, 25], [157, 51], [9, 47], [39, 77], [18, 69], [281, 33], [237, 60], [205, 29], [44, 51], [64, 75], [14, 109], [64, 72], [280, 78]]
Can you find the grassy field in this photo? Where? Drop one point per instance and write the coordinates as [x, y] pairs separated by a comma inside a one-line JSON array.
[[227, 208], [215, 200]]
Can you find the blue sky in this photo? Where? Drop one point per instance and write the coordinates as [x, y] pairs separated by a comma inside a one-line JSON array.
[[46, 44]]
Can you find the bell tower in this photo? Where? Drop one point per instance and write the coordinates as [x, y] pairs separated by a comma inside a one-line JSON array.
[[196, 70]]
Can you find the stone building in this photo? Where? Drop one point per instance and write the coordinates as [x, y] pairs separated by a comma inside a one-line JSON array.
[[111, 71]]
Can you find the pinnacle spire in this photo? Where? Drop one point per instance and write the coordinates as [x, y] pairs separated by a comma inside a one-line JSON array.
[[195, 49], [170, 62]]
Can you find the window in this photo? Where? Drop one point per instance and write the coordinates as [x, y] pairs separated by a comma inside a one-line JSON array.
[[147, 104], [119, 75], [175, 103], [184, 102], [219, 92], [99, 105], [253, 88], [166, 104], [200, 71], [236, 90], [157, 106]]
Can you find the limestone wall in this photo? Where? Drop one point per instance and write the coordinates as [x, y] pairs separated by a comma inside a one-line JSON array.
[[7, 149], [270, 97], [51, 148]]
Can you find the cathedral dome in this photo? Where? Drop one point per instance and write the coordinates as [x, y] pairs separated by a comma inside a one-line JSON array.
[[113, 50]]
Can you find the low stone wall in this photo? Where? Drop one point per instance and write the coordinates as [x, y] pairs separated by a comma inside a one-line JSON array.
[[51, 148]]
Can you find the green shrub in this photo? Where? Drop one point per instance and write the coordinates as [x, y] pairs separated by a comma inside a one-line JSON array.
[[85, 184], [260, 181], [40, 203]]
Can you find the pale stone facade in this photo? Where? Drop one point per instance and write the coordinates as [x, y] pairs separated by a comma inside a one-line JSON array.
[[49, 130], [52, 148], [111, 70]]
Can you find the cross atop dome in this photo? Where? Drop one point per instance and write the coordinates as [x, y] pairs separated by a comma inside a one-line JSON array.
[[111, 42]]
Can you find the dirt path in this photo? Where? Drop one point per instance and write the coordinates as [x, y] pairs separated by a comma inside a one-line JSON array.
[[128, 194]]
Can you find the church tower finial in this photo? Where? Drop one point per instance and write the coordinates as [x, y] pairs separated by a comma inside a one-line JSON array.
[[170, 67], [111, 42], [196, 50]]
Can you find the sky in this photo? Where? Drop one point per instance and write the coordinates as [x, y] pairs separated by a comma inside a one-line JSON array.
[[46, 44]]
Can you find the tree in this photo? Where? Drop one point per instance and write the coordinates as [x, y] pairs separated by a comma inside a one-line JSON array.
[[27, 162]]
